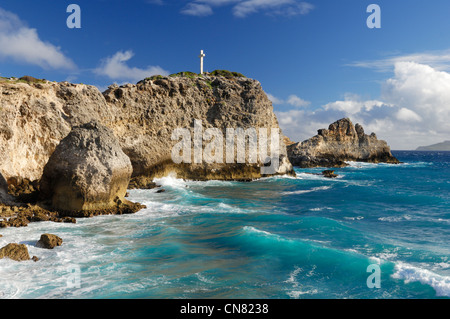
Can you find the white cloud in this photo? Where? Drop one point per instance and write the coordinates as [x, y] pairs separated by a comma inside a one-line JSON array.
[[353, 104], [22, 44], [274, 99], [294, 100], [244, 8], [197, 9], [116, 68], [406, 115], [413, 110], [247, 7], [439, 60]]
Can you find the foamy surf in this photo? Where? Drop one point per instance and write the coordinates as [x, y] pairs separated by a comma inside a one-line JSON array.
[[305, 191], [408, 273]]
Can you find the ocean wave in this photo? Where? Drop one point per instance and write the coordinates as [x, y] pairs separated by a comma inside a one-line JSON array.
[[252, 229], [305, 191], [297, 289], [316, 177], [354, 218], [394, 219], [319, 209], [367, 165], [408, 273]]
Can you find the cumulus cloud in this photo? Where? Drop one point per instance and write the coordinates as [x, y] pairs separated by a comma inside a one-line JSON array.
[[439, 60], [244, 8], [413, 109], [197, 9], [353, 104], [294, 100], [21, 43], [116, 68], [274, 99]]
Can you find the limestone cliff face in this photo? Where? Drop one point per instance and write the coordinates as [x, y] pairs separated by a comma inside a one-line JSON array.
[[146, 114], [35, 117], [341, 142]]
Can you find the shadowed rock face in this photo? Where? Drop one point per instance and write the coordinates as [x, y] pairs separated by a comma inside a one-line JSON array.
[[341, 142], [4, 197], [87, 171]]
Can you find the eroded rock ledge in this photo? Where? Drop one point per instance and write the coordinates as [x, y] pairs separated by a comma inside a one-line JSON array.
[[341, 142]]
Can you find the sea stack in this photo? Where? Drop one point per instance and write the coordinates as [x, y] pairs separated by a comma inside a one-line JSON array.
[[341, 142], [87, 171]]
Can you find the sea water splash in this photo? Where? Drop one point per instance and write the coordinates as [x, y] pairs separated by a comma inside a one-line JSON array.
[[278, 237]]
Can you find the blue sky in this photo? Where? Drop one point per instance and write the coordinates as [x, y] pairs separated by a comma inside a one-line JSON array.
[[317, 59]]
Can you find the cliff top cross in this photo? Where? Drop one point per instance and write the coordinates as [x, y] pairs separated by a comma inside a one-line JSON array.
[[201, 56]]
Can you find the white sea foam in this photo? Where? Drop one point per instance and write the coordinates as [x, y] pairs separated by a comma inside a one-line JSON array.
[[305, 191], [319, 209], [252, 229], [408, 273], [298, 289], [394, 219], [354, 218]]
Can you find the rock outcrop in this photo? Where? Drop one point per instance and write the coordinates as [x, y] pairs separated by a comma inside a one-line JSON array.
[[87, 171], [49, 241], [147, 113], [341, 142], [17, 252], [36, 116]]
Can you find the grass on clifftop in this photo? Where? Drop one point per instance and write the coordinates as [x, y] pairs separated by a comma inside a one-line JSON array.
[[24, 79], [187, 74]]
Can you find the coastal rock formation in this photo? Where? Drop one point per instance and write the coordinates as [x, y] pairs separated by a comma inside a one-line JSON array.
[[147, 113], [341, 142], [87, 171], [49, 241], [37, 115], [17, 252]]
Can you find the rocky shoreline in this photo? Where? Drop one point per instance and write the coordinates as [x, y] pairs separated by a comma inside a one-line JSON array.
[[68, 151]]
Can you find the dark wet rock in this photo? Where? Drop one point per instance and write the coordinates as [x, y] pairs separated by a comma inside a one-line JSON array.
[[329, 174], [49, 241]]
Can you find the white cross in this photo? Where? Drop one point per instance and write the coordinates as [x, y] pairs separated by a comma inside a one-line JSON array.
[[201, 56]]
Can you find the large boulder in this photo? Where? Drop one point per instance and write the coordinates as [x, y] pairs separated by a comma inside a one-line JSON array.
[[341, 142], [87, 171], [49, 241], [17, 252]]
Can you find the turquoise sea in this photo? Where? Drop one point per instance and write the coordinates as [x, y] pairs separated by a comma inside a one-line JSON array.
[[281, 237]]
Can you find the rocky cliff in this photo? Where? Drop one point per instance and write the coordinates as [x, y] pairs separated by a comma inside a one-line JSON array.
[[36, 116], [341, 142]]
